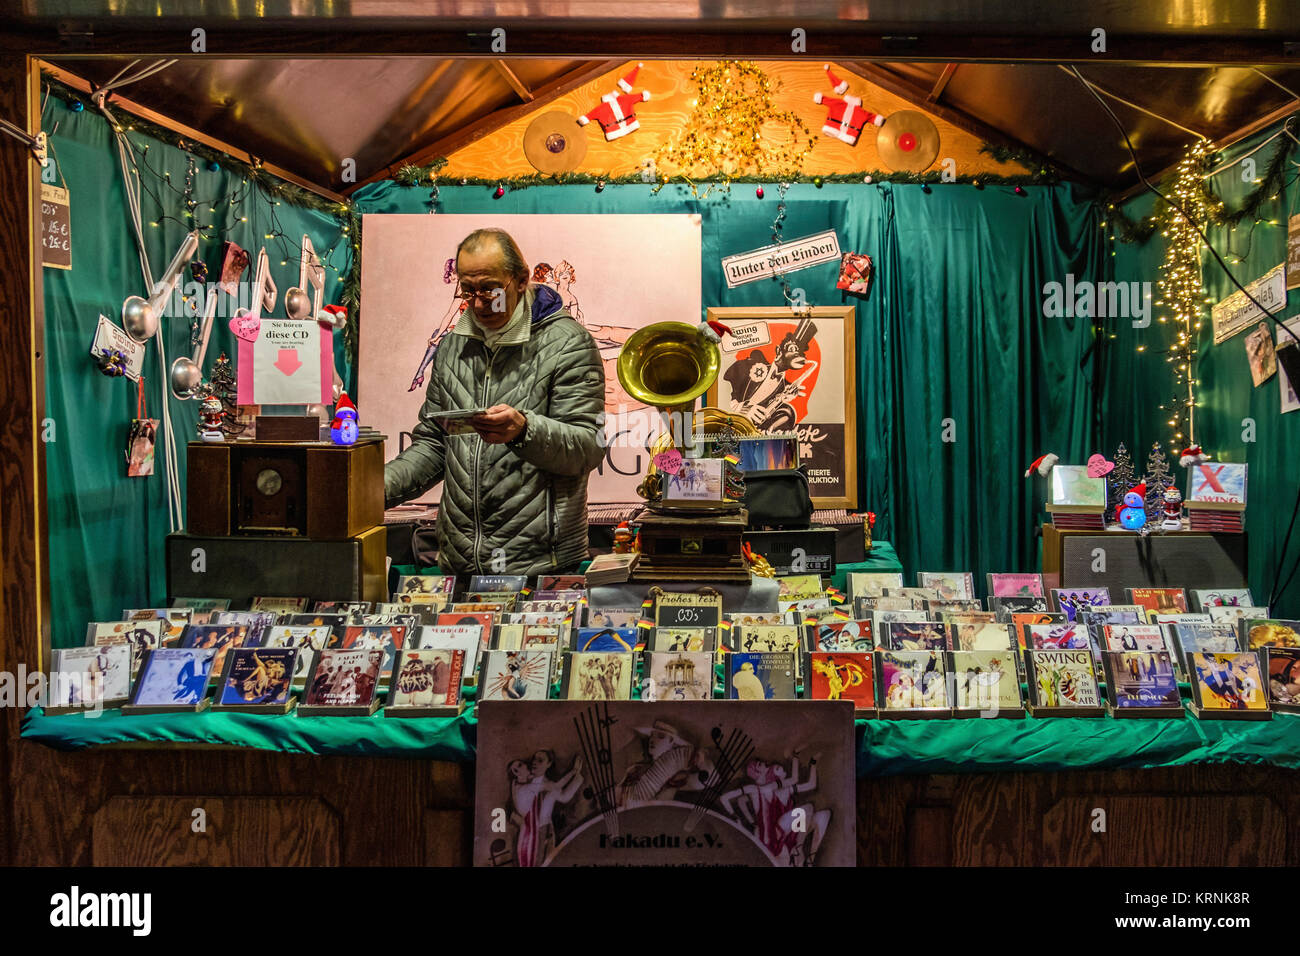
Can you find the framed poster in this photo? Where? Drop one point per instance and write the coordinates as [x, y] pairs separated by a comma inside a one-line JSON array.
[[681, 782], [409, 285], [795, 373]]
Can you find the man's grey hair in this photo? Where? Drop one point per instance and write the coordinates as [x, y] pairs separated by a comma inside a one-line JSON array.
[[512, 260]]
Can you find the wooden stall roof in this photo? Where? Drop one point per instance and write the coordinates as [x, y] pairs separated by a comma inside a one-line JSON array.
[[420, 78]]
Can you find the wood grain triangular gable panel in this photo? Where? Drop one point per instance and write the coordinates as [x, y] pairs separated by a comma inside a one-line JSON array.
[[500, 153]]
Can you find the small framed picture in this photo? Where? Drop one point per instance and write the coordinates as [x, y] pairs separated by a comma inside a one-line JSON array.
[[698, 479]]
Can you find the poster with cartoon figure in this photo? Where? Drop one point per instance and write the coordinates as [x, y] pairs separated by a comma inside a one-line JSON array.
[[793, 373], [580, 783], [410, 287]]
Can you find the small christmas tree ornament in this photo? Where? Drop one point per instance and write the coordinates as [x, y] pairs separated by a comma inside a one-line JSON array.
[[499, 192], [1120, 479], [1157, 480], [224, 389], [759, 192]]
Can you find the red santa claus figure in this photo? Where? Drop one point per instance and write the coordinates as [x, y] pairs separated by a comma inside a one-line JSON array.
[[845, 118], [616, 113]]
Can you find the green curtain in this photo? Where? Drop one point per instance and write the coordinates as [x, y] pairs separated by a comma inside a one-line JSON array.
[[106, 530], [1227, 401], [953, 328]]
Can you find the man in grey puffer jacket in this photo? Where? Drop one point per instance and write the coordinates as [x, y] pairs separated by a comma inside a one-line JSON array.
[[514, 497]]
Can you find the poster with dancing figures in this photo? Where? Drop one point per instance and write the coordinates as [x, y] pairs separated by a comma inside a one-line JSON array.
[[674, 783], [615, 273], [796, 373]]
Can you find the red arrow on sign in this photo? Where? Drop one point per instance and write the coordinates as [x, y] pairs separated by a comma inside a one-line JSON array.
[[288, 362]]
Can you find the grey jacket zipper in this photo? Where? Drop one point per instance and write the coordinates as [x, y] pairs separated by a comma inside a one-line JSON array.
[[478, 451]]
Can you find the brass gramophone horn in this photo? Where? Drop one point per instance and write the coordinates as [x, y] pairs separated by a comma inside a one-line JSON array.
[[669, 365]]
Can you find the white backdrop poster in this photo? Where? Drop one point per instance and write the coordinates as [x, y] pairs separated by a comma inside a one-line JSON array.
[[616, 274]]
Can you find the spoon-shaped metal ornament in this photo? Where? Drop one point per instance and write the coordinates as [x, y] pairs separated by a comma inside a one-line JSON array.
[[186, 372]]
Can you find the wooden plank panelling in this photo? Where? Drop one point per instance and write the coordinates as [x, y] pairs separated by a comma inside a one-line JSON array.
[[234, 831]]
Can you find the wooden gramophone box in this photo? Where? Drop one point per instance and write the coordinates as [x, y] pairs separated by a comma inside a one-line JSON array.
[[315, 490]]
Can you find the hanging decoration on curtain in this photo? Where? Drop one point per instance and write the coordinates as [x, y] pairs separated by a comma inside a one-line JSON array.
[[724, 135], [845, 115], [1182, 295], [855, 273], [140, 437]]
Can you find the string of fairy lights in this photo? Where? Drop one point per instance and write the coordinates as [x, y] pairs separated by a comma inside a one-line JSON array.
[[732, 130], [1182, 304], [1182, 295]]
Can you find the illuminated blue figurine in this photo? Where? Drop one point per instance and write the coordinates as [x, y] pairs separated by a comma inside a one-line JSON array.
[[343, 429], [1132, 514]]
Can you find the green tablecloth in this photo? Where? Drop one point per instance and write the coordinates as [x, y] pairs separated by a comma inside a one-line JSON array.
[[885, 747]]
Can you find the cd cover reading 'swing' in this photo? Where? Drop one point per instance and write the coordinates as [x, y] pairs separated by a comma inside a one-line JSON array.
[[1063, 682]]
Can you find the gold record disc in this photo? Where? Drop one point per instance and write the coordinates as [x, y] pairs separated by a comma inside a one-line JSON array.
[[555, 143], [908, 142]]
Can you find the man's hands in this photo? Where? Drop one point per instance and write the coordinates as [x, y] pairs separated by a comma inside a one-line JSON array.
[[499, 424]]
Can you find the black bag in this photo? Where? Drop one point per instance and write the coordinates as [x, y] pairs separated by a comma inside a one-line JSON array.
[[778, 499]]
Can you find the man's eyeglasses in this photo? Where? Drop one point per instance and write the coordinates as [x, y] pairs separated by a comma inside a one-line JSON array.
[[468, 294]]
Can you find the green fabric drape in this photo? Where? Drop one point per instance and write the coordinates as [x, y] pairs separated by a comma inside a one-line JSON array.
[[106, 530], [953, 328], [884, 747], [1227, 400]]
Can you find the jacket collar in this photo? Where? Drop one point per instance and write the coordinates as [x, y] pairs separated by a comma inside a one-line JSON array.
[[542, 301]]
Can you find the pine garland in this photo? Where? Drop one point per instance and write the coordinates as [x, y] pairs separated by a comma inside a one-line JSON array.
[[1267, 190]]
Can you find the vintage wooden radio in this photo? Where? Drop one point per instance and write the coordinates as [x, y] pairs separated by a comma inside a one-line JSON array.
[[316, 490]]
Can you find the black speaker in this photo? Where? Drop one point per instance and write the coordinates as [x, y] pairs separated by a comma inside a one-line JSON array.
[[1179, 560], [244, 567], [797, 550]]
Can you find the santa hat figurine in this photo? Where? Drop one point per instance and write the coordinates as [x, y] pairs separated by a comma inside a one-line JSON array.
[[1043, 464], [1192, 455], [713, 331], [343, 429]]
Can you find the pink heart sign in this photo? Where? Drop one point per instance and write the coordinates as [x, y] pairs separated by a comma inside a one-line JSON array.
[[246, 326], [669, 462], [1099, 467]]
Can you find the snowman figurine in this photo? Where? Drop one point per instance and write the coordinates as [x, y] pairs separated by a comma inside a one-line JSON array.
[[1132, 513], [1173, 510], [343, 429]]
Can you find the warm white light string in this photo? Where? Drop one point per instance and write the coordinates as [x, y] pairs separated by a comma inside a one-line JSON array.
[[131, 189]]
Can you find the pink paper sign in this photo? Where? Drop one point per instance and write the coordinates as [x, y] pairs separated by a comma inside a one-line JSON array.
[[244, 369], [669, 462]]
